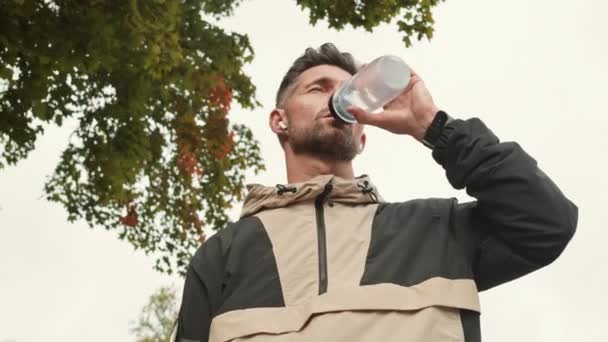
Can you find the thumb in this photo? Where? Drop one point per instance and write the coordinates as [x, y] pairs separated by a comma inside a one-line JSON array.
[[362, 116]]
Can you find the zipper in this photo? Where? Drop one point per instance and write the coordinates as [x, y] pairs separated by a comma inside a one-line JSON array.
[[319, 211]]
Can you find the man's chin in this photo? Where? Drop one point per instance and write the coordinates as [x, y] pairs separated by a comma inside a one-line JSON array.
[[330, 142], [328, 151]]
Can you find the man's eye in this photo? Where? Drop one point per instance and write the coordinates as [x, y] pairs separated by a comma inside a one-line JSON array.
[[315, 89]]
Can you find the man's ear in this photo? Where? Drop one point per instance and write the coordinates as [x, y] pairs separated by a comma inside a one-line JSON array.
[[277, 119], [362, 142]]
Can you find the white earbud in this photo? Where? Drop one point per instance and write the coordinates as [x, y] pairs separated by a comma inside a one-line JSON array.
[[282, 125]]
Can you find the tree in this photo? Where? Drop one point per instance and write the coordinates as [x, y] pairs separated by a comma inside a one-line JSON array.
[[416, 17], [157, 319], [149, 84]]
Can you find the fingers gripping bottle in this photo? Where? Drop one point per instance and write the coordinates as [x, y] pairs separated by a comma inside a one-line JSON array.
[[373, 86]]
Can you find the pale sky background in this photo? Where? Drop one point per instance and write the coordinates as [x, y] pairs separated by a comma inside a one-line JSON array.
[[535, 72]]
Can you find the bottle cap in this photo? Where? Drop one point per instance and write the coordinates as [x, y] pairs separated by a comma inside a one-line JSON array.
[[339, 113]]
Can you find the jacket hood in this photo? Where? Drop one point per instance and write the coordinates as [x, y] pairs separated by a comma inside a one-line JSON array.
[[359, 190]]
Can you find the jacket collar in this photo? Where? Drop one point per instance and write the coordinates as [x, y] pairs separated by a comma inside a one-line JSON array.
[[359, 190]]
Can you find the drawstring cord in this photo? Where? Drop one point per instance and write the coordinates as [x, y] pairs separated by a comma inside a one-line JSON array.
[[366, 189], [281, 189]]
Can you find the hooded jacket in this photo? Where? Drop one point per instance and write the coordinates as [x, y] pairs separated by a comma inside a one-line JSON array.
[[329, 260]]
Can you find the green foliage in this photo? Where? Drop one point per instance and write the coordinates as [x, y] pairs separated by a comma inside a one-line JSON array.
[[416, 15], [157, 319], [149, 84]]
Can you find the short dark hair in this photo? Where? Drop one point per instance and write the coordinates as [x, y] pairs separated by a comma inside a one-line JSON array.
[[327, 53]]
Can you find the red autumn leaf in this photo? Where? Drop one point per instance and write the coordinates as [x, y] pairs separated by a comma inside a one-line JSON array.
[[187, 162], [131, 218], [220, 95]]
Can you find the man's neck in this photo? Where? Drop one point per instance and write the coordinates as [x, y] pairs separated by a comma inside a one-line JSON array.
[[301, 168]]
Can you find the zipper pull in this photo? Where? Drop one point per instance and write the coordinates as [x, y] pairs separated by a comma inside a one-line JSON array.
[[321, 198]]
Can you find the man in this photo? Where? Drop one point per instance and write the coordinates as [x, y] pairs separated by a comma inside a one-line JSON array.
[[324, 258]]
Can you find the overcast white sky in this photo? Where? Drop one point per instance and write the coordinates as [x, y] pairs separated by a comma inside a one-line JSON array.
[[535, 71]]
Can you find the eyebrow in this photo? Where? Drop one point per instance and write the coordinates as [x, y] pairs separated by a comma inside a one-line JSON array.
[[322, 81]]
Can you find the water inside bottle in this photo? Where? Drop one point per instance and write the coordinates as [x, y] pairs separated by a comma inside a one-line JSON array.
[[372, 87], [363, 99]]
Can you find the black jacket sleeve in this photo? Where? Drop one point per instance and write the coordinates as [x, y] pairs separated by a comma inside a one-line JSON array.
[[521, 221], [202, 292]]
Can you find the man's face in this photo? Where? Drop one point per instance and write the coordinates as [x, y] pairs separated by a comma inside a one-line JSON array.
[[312, 128]]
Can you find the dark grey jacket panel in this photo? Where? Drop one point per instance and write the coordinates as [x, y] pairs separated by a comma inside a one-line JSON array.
[[234, 269], [522, 219]]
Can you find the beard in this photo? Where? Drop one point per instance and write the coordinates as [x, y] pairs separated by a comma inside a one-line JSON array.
[[330, 142]]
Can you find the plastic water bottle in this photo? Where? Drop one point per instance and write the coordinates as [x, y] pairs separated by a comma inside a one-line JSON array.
[[373, 86]]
